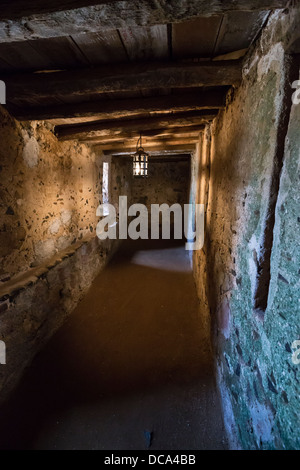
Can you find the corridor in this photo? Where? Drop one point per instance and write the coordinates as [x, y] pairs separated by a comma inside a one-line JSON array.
[[117, 118], [130, 369]]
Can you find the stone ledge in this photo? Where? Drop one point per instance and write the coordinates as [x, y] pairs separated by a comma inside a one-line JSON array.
[[30, 277], [35, 305]]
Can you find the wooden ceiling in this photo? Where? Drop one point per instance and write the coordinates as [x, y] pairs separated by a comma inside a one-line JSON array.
[[104, 71]]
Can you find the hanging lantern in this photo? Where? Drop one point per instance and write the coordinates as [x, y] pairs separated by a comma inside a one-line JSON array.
[[140, 160]]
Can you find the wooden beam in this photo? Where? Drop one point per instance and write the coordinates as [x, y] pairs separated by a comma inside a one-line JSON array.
[[105, 109], [146, 141], [94, 129], [167, 160], [157, 157], [119, 78], [162, 153], [107, 136], [131, 144], [21, 20], [159, 149]]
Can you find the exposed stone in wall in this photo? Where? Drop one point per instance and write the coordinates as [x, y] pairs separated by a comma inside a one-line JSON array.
[[283, 302], [257, 377], [48, 246], [167, 183], [121, 181]]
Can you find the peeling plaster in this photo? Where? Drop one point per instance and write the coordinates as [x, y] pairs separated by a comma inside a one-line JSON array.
[[31, 151]]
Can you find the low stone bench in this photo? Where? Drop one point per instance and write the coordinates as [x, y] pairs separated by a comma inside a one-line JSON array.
[[33, 305]]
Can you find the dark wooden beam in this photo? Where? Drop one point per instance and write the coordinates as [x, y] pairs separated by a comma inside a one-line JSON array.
[[40, 19], [126, 77], [161, 148], [157, 158], [146, 141], [94, 129], [153, 144], [105, 109], [115, 135], [158, 153]]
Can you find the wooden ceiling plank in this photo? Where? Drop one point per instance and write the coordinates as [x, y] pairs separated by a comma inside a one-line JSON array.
[[220, 34], [162, 148], [100, 48], [195, 38], [165, 152], [62, 52], [146, 142], [5, 67], [238, 30], [131, 145], [145, 43], [24, 56]]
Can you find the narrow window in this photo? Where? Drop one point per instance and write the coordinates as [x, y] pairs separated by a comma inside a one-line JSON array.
[[105, 180]]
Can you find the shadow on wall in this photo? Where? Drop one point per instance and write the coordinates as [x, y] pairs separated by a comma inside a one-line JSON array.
[[254, 190]]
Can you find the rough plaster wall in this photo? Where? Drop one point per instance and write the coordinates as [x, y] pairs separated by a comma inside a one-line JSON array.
[[121, 180], [49, 192], [284, 290], [38, 305], [167, 183], [258, 381], [199, 194], [48, 246]]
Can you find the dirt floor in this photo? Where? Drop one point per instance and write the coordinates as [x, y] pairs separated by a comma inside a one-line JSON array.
[[131, 368]]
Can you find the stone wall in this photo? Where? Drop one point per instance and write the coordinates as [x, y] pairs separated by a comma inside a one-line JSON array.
[[199, 192], [35, 304], [48, 246], [248, 272], [49, 192], [167, 183]]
